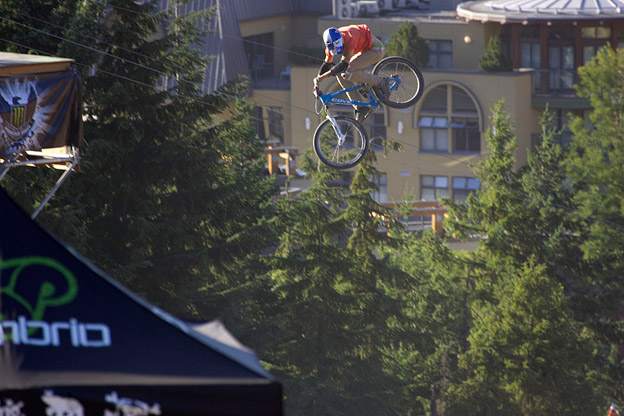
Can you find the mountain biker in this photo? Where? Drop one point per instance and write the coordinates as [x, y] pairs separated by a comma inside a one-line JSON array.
[[359, 49]]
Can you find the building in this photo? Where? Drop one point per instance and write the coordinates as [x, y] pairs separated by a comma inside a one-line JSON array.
[[444, 133]]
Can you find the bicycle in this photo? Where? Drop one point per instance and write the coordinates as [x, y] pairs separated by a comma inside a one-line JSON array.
[[340, 141]]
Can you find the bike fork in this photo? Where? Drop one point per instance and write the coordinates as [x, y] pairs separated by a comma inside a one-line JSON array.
[[341, 137]]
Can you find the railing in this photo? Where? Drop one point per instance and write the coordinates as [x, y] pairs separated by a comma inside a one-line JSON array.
[[424, 215], [554, 81], [264, 77]]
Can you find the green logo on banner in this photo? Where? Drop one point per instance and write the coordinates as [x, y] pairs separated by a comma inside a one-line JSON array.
[[47, 295], [36, 331]]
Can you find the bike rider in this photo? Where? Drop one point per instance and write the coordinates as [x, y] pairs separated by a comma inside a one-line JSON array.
[[360, 49]]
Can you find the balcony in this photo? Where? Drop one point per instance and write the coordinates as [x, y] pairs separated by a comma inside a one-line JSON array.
[[267, 77], [555, 87]]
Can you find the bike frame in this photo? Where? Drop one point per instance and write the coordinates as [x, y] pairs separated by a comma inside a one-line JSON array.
[[330, 98]]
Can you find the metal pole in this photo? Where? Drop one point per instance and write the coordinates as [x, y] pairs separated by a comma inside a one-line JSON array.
[[56, 187]]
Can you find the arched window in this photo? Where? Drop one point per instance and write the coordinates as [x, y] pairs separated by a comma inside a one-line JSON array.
[[449, 121]]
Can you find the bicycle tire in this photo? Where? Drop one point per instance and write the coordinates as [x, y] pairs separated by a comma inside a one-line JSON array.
[[411, 81], [340, 156]]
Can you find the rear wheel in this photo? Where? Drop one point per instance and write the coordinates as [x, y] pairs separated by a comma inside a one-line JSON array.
[[337, 153], [407, 82]]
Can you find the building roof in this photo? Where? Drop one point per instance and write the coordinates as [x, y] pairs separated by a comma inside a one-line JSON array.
[[541, 10]]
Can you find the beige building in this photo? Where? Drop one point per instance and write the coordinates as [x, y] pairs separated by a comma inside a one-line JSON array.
[[445, 131]]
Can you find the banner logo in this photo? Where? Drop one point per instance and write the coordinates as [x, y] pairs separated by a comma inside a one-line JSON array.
[[60, 288], [17, 111]]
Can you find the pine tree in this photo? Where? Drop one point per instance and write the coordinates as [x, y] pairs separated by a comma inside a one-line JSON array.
[[596, 168], [406, 42], [493, 59], [516, 271], [171, 197]]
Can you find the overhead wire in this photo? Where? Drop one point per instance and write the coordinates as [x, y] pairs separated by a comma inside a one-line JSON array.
[[261, 120]]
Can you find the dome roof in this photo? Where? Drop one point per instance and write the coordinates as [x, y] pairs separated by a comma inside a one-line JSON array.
[[541, 10]]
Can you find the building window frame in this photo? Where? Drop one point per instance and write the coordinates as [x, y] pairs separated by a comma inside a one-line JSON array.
[[462, 186], [454, 129], [276, 123], [440, 53], [434, 187], [380, 180]]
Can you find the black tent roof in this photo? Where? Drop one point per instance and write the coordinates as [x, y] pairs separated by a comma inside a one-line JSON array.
[[71, 333]]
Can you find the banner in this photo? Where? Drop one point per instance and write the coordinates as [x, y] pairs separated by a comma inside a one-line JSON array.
[[40, 111]]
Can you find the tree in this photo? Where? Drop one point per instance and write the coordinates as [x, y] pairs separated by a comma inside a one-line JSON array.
[[597, 157], [171, 194], [325, 313], [595, 166], [493, 59], [529, 260], [406, 42]]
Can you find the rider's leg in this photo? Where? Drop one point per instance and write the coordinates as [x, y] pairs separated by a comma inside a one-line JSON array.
[[362, 61], [356, 74]]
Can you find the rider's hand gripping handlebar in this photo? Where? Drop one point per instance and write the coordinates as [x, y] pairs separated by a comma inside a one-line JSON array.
[[317, 91]]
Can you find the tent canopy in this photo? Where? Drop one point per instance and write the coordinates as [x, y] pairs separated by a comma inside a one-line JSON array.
[[70, 331]]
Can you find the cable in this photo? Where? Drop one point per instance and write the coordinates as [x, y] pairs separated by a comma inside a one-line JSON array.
[[256, 119], [94, 39]]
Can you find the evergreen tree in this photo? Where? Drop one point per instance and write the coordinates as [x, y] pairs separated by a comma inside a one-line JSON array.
[[171, 197], [429, 332], [597, 157], [406, 42], [493, 59], [516, 271], [596, 167]]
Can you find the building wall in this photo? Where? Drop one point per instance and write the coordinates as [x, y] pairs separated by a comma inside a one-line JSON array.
[[288, 31], [404, 169], [468, 38]]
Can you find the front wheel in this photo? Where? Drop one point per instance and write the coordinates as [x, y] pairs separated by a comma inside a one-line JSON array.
[[407, 82], [341, 147]]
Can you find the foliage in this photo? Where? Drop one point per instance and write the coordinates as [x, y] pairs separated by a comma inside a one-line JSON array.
[[171, 193], [526, 276], [493, 59], [353, 314], [406, 42], [330, 307], [597, 160]]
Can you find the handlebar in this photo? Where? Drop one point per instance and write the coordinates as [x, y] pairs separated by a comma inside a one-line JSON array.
[[317, 90]]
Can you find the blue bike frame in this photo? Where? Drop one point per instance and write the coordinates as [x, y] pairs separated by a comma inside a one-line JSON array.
[[330, 98]]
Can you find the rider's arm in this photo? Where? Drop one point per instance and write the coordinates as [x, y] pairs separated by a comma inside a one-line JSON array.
[[340, 68]]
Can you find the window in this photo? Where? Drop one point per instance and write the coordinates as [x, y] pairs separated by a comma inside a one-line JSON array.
[[433, 187], [462, 186], [435, 101], [596, 32], [449, 112], [259, 52], [440, 54], [462, 103], [594, 38], [276, 126], [530, 58], [433, 134], [259, 121], [381, 194], [561, 65], [466, 137], [375, 127]]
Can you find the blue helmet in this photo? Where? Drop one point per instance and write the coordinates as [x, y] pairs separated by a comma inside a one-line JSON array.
[[333, 40]]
